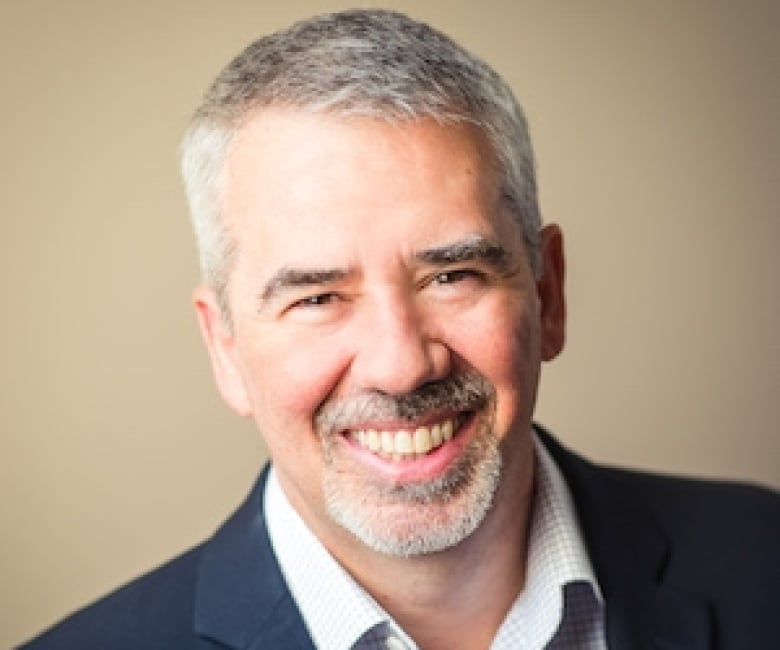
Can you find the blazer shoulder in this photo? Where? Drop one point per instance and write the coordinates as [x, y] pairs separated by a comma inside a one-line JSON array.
[[688, 557], [724, 535], [697, 507], [154, 611]]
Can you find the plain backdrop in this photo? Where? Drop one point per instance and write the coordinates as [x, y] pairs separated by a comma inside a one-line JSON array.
[[656, 132]]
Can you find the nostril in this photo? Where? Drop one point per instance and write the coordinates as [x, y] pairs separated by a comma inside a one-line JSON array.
[[399, 366], [395, 354]]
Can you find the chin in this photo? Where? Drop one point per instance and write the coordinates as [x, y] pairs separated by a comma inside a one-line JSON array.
[[420, 518]]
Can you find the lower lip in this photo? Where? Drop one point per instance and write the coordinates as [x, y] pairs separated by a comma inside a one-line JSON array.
[[416, 470]]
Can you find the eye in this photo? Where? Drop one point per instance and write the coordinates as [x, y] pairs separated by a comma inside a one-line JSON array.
[[318, 300], [456, 276]]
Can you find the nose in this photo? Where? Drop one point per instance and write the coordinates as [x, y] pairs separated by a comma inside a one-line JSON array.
[[398, 348]]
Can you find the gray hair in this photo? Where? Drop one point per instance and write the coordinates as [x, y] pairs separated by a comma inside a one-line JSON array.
[[370, 63]]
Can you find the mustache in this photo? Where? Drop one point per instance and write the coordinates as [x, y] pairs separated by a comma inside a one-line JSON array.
[[465, 391]]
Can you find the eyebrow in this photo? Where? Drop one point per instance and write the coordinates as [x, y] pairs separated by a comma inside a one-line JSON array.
[[475, 248], [288, 278]]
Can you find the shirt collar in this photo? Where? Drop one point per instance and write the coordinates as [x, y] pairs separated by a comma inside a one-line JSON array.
[[557, 556], [324, 591]]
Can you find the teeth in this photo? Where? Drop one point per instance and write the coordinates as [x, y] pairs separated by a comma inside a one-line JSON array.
[[388, 443], [422, 440], [404, 444], [446, 430], [436, 438]]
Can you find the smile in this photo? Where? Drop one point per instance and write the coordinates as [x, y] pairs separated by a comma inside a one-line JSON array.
[[407, 444]]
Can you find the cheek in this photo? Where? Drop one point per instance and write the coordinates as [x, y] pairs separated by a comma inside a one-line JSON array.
[[504, 347], [289, 378], [501, 336]]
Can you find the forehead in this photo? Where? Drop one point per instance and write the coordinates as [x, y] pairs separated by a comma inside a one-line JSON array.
[[308, 177], [275, 142]]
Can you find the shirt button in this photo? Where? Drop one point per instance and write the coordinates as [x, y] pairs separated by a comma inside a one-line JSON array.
[[394, 643]]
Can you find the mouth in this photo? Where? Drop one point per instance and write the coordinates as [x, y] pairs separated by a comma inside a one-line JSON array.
[[408, 443]]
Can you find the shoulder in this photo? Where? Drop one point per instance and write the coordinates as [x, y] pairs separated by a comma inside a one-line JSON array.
[[723, 544], [677, 540], [733, 512], [720, 534], [215, 589], [154, 611], [721, 513]]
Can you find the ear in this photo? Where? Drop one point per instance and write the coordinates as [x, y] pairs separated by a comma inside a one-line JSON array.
[[551, 293], [222, 350]]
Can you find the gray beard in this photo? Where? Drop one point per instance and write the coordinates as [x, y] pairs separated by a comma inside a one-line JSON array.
[[429, 516], [441, 513]]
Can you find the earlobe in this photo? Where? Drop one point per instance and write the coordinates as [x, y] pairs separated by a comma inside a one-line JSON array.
[[550, 288], [221, 347]]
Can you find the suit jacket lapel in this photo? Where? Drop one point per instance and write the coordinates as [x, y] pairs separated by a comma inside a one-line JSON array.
[[242, 600], [629, 552]]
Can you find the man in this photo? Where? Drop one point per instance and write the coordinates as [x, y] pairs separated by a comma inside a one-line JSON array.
[[379, 294]]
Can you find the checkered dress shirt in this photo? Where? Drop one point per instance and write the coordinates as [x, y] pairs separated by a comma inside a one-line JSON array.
[[560, 608]]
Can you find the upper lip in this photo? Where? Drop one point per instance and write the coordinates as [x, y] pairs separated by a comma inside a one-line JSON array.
[[400, 424]]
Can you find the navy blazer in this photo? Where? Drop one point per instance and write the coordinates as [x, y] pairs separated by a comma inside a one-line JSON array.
[[682, 564]]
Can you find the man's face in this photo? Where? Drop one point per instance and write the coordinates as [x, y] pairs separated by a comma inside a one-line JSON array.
[[387, 329]]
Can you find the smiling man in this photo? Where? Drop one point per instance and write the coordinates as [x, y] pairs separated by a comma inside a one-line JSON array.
[[379, 294], [388, 349]]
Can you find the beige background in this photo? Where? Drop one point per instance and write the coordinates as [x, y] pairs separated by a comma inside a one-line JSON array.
[[657, 141]]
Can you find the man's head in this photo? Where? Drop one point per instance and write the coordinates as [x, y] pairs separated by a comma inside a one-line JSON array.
[[390, 293], [377, 64]]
